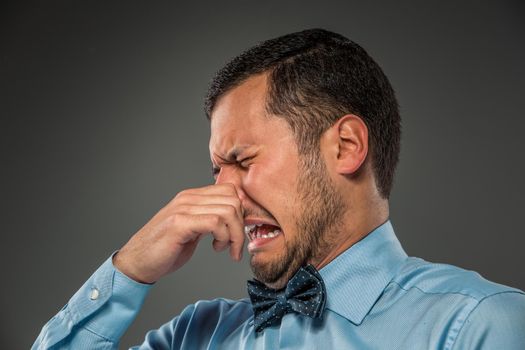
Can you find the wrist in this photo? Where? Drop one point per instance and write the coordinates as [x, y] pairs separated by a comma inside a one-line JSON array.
[[120, 264]]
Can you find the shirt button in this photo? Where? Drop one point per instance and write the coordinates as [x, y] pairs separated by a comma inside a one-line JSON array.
[[94, 294]]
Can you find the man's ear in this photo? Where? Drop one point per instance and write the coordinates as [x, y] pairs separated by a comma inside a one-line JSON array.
[[352, 141]]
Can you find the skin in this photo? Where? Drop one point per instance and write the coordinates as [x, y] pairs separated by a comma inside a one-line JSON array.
[[261, 178]]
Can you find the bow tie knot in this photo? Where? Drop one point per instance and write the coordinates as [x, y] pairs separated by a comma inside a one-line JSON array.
[[282, 301], [305, 294]]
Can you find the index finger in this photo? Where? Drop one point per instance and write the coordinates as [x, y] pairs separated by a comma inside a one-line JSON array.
[[219, 189]]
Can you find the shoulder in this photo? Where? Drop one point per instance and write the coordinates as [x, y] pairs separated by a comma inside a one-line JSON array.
[[479, 314], [434, 278], [497, 322]]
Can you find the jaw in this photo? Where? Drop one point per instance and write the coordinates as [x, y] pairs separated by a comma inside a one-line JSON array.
[[262, 272], [268, 254], [275, 266]]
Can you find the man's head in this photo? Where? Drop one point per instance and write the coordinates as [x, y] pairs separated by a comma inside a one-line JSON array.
[[314, 78], [280, 113]]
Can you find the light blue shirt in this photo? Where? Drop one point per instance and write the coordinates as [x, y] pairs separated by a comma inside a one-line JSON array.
[[377, 298]]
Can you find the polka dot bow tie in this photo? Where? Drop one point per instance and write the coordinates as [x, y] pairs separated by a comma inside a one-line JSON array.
[[305, 293]]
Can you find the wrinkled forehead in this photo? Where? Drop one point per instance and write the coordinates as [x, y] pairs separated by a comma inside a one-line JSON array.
[[239, 116], [240, 120]]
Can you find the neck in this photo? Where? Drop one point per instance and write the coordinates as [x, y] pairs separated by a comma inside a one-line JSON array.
[[353, 228]]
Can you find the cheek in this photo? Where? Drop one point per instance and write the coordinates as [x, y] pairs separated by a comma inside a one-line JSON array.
[[258, 179], [274, 189], [273, 179]]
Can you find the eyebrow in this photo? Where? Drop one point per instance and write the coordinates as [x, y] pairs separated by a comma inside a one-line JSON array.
[[232, 154]]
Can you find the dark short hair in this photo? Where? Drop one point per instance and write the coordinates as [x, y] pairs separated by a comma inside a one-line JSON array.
[[315, 77]]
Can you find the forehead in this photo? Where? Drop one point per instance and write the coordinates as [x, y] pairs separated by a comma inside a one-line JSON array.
[[239, 119], [241, 105]]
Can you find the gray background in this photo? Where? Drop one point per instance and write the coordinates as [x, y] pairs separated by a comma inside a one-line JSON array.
[[102, 124]]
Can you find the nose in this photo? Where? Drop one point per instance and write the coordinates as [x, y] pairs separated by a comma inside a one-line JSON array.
[[229, 174]]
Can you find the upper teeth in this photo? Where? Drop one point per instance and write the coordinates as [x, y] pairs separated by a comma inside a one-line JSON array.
[[248, 228]]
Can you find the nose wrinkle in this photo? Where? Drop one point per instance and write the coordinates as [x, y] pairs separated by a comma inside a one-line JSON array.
[[229, 174]]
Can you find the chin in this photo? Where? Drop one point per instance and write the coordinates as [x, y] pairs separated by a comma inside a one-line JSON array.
[[267, 272], [276, 272]]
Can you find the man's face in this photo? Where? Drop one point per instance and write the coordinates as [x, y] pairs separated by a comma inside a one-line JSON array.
[[289, 198]]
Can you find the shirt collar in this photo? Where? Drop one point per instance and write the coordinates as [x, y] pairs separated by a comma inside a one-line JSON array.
[[356, 278]]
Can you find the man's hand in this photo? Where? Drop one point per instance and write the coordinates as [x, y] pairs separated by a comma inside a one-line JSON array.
[[169, 239]]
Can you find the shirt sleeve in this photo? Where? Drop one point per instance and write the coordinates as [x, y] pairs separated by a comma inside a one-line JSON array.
[[498, 322], [203, 325], [97, 315]]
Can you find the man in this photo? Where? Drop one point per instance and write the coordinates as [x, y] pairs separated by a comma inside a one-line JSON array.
[[305, 137]]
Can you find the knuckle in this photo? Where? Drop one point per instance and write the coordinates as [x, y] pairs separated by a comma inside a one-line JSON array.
[[180, 195], [181, 209], [236, 202], [216, 220], [229, 187], [175, 219], [232, 204], [231, 210]]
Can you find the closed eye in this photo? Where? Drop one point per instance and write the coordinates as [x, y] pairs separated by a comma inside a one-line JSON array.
[[242, 163], [245, 162]]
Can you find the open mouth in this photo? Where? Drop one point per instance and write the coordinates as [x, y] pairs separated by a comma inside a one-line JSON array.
[[261, 231], [261, 235]]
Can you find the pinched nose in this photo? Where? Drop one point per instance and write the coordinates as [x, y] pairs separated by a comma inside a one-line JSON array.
[[231, 176], [228, 174]]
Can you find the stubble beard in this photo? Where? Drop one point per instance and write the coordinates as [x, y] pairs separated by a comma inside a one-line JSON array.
[[317, 224]]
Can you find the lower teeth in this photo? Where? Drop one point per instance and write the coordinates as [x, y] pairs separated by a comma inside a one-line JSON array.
[[251, 233], [270, 234]]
